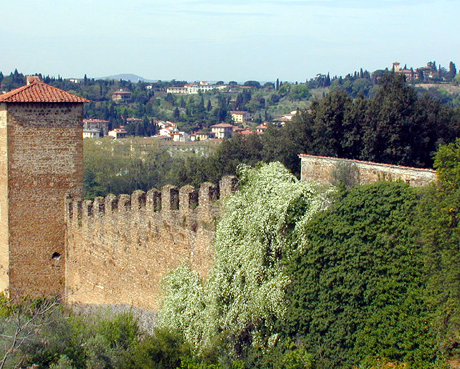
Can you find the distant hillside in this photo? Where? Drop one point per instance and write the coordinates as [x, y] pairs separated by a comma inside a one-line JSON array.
[[127, 77], [448, 87]]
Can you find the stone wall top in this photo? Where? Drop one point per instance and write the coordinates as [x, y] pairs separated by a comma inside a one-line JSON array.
[[325, 169]]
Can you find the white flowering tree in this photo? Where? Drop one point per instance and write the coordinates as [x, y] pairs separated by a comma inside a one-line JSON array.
[[245, 291]]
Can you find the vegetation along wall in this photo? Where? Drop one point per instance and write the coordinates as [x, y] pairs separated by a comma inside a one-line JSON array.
[[120, 248]]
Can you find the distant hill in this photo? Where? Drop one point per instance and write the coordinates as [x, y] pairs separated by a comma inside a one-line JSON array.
[[127, 77], [448, 87]]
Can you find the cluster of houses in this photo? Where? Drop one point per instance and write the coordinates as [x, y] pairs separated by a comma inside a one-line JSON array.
[[194, 88], [429, 72], [203, 86], [124, 96], [168, 131]]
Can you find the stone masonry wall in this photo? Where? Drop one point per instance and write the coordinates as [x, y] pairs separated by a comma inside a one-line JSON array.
[[4, 254], [119, 248], [41, 149], [327, 169]]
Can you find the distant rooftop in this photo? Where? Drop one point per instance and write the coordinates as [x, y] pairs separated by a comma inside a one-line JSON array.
[[95, 121], [222, 125], [241, 112], [38, 91], [122, 92]]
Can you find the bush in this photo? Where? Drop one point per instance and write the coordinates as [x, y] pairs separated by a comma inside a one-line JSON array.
[[357, 285], [244, 295]]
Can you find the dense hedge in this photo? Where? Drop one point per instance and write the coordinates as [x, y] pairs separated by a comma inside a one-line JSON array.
[[440, 237], [357, 282]]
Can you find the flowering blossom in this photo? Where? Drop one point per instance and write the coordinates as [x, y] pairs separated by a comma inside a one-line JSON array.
[[245, 291]]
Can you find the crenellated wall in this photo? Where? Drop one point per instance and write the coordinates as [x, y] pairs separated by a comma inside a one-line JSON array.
[[119, 248]]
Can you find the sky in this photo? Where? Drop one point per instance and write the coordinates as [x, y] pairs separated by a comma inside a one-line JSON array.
[[212, 40]]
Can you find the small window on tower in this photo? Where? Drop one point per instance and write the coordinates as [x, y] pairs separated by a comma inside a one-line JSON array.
[[56, 256]]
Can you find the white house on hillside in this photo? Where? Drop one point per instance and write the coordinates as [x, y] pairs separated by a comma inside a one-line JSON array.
[[241, 116], [222, 130]]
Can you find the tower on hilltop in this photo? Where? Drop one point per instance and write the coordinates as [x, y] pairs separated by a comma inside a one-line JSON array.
[[41, 160]]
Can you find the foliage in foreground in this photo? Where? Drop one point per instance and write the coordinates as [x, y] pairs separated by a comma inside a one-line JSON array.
[[52, 337], [358, 283], [370, 281], [44, 334], [244, 296], [440, 226]]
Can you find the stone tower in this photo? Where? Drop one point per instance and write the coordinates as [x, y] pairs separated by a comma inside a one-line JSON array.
[[41, 160]]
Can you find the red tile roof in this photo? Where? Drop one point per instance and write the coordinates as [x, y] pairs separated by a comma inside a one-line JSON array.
[[222, 125], [239, 112], [39, 91], [246, 132]]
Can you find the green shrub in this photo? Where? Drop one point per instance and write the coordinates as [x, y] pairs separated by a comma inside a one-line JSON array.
[[357, 280], [162, 350], [440, 228]]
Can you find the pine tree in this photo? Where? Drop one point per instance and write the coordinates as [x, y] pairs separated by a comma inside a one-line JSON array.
[[452, 71], [176, 114]]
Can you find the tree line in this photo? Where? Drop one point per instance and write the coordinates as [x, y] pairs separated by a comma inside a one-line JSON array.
[[150, 101], [396, 126]]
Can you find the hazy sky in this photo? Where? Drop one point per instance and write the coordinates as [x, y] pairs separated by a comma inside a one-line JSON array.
[[225, 39]]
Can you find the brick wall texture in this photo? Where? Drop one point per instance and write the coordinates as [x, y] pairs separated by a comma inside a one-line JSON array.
[[326, 170], [41, 159], [119, 248]]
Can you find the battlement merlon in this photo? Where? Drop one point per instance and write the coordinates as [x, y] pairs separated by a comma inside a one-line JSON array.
[[168, 202]]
